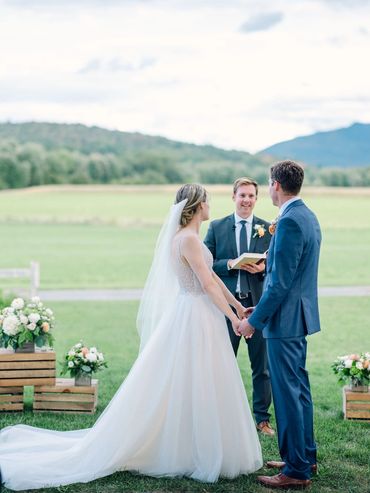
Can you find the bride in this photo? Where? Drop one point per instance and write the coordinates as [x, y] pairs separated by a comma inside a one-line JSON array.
[[182, 410]]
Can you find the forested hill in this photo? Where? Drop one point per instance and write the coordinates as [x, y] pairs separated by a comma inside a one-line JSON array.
[[34, 154], [87, 140], [95, 155], [344, 147]]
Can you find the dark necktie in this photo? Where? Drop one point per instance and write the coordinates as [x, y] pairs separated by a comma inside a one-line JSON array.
[[243, 243]]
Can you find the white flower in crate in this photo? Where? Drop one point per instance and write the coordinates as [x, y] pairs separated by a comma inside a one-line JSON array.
[[34, 317], [31, 326], [17, 303], [11, 325]]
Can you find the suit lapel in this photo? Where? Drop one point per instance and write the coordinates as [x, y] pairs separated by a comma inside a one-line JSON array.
[[231, 234], [254, 238]]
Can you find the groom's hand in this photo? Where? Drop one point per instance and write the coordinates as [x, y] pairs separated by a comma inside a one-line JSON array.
[[245, 329]]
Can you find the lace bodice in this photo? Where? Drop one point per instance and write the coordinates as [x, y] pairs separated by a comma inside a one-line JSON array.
[[188, 280]]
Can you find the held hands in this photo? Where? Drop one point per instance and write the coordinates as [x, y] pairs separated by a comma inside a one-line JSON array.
[[242, 327]]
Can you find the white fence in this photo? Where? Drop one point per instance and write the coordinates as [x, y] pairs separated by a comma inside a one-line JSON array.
[[33, 273]]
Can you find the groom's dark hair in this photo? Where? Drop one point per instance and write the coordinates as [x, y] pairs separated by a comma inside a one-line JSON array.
[[289, 174]]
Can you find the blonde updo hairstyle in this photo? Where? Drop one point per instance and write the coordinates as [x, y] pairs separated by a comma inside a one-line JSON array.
[[195, 194]]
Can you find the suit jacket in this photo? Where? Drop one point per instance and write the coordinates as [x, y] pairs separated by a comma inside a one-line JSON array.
[[220, 240], [289, 304]]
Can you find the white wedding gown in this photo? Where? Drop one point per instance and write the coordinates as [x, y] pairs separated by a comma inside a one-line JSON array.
[[181, 411]]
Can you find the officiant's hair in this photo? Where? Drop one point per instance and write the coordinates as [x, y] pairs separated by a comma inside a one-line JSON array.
[[244, 181], [195, 194], [289, 174]]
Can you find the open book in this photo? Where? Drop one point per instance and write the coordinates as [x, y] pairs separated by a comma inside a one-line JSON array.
[[247, 258]]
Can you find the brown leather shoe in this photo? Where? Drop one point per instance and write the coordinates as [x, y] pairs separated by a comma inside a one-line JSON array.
[[284, 482], [275, 464], [265, 428]]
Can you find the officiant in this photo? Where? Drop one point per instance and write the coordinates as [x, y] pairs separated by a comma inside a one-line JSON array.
[[227, 239]]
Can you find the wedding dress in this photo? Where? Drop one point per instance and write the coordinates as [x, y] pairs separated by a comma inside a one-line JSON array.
[[181, 411]]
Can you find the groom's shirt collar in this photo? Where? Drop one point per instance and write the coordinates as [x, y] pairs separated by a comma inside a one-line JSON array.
[[285, 205]]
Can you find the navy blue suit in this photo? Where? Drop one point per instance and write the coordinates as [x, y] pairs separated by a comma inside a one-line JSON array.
[[286, 313]]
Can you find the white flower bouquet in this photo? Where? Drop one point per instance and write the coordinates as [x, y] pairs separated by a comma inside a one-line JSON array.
[[354, 368], [23, 322], [82, 360]]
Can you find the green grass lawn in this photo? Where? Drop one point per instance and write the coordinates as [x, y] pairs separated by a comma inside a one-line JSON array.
[[103, 237], [343, 446]]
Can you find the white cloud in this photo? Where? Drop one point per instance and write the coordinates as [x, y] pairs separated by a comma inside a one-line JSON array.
[[184, 70]]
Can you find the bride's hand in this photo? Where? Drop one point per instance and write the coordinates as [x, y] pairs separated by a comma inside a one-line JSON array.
[[240, 310], [235, 324]]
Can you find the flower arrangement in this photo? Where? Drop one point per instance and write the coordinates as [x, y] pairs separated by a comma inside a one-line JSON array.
[[259, 230], [23, 322], [354, 368], [82, 360]]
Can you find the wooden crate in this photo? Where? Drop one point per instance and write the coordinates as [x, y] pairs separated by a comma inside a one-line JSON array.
[[11, 398], [19, 369], [356, 405], [65, 397]]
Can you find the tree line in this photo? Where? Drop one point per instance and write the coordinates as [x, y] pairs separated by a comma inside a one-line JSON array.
[[33, 164]]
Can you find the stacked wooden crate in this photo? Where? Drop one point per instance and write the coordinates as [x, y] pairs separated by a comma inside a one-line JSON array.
[[20, 369], [65, 397], [50, 394], [356, 405]]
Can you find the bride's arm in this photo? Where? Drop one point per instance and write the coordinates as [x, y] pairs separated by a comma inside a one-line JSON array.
[[229, 297], [191, 250]]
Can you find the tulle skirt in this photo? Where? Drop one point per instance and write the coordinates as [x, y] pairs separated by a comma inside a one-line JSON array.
[[181, 411]]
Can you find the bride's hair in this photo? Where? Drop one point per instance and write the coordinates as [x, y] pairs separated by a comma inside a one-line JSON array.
[[195, 194]]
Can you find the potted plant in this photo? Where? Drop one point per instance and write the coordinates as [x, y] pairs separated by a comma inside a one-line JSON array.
[[354, 369], [24, 325], [81, 362]]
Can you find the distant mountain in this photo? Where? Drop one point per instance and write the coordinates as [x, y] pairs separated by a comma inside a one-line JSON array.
[[345, 148]]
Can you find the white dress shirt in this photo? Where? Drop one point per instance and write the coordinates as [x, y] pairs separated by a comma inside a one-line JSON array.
[[238, 227]]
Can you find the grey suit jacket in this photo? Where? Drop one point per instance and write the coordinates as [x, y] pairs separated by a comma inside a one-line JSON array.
[[220, 240]]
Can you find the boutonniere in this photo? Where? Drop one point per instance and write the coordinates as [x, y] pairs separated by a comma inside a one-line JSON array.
[[272, 227], [259, 230]]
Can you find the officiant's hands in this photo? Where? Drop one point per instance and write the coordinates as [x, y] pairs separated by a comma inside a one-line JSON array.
[[254, 268]]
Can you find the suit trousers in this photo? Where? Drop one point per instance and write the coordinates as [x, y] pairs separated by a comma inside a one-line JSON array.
[[259, 365], [293, 404]]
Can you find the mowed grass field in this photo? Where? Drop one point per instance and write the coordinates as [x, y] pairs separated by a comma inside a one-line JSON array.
[[104, 236], [343, 446]]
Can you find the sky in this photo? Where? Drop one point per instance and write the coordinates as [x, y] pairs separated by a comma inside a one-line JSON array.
[[238, 74]]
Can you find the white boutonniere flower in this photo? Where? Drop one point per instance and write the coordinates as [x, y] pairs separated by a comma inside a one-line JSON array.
[[259, 230]]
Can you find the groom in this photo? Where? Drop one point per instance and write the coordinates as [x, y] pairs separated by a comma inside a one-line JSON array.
[[287, 312]]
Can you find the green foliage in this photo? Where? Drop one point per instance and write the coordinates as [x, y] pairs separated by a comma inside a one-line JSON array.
[[33, 154]]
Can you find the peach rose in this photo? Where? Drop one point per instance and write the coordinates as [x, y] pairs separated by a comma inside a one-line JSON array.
[[354, 357], [45, 327], [261, 232], [85, 351], [366, 364]]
